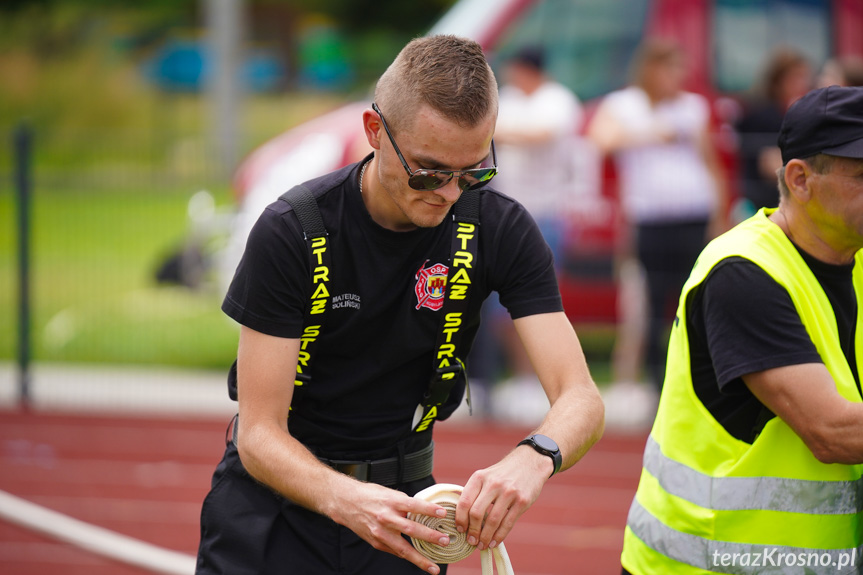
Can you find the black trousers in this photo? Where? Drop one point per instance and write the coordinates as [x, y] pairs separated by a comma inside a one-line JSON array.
[[667, 252], [246, 528]]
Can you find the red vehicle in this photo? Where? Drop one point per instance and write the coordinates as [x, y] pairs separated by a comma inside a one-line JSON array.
[[588, 45]]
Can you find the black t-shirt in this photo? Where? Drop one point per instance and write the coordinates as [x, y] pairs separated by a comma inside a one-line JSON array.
[[741, 321], [374, 358]]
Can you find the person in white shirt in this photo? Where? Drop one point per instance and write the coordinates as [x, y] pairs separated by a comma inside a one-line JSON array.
[[536, 136], [671, 184], [537, 121]]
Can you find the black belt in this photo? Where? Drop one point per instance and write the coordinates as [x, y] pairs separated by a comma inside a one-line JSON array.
[[414, 466], [389, 471]]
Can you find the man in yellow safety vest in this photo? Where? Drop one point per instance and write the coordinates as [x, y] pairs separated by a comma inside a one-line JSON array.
[[755, 459]]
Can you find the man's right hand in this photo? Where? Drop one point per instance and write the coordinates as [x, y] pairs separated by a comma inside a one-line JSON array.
[[379, 516]]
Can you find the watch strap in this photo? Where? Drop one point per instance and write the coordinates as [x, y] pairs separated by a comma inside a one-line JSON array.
[[554, 453]]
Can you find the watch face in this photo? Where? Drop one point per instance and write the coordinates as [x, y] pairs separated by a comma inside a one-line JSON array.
[[545, 443]]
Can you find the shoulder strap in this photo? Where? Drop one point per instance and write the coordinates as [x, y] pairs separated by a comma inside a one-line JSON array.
[[447, 365], [320, 260], [320, 263]]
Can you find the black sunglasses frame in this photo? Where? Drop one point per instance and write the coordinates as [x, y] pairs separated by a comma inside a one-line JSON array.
[[425, 180]]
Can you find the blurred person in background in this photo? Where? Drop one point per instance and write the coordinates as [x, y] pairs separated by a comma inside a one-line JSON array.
[[672, 193], [843, 71], [538, 121], [755, 458], [334, 432], [787, 76]]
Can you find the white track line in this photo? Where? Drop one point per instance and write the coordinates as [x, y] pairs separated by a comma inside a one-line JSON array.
[[95, 539]]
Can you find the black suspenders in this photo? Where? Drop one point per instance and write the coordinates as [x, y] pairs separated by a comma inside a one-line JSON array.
[[317, 241], [320, 260], [447, 365]]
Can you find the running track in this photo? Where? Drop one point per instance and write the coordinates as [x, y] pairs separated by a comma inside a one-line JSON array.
[[146, 478]]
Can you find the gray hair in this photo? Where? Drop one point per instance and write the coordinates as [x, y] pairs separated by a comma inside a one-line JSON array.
[[820, 164]]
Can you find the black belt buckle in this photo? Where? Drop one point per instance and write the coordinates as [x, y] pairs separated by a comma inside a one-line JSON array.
[[416, 465], [360, 470]]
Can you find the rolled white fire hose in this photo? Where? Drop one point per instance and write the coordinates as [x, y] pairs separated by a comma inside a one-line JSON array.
[[446, 495]]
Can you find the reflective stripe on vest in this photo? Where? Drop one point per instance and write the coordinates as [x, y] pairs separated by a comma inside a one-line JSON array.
[[703, 491], [741, 493], [738, 558]]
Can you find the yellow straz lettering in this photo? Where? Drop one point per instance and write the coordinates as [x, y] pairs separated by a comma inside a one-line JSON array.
[[318, 306], [321, 292], [457, 292], [451, 325], [446, 350], [460, 277], [464, 232], [462, 259], [303, 360], [322, 274], [310, 334], [426, 421]]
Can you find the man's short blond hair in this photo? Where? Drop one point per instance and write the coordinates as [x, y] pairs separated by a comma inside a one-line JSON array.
[[447, 73]]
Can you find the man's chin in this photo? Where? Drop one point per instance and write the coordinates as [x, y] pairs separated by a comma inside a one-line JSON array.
[[429, 221]]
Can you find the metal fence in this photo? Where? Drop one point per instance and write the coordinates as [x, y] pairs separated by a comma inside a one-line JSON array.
[[92, 222]]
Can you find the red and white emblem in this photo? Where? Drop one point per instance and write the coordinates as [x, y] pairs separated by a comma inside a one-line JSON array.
[[431, 286]]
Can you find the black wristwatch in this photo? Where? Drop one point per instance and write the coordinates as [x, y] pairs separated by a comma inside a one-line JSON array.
[[546, 446]]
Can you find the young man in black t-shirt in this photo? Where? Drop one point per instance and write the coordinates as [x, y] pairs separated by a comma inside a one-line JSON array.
[[286, 498]]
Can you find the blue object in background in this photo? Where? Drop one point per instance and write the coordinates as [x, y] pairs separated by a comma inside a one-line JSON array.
[[178, 66], [185, 66], [263, 71]]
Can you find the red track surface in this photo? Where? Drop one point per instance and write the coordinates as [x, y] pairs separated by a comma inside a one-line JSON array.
[[146, 478]]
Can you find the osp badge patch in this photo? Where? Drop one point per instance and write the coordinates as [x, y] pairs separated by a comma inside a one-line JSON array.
[[431, 286]]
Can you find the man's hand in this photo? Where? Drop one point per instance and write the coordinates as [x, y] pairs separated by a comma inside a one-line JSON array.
[[379, 516], [495, 497]]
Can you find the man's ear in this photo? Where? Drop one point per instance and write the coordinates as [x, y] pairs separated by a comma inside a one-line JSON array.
[[373, 128], [797, 178]]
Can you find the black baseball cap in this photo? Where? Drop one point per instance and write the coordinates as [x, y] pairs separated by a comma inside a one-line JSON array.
[[824, 121]]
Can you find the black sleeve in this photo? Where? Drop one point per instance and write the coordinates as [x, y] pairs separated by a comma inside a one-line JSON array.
[[750, 323], [271, 284], [523, 271]]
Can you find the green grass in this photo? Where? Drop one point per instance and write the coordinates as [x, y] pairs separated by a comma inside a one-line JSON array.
[[95, 298], [114, 164], [108, 206]]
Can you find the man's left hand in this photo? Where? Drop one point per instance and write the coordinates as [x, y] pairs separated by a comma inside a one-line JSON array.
[[495, 497]]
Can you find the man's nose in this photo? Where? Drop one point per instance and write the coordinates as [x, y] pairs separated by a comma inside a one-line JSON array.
[[450, 192]]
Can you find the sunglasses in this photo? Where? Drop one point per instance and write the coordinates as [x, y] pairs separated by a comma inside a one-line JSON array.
[[423, 179]]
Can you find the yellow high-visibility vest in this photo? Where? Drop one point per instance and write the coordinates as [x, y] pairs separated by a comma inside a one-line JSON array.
[[708, 502]]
